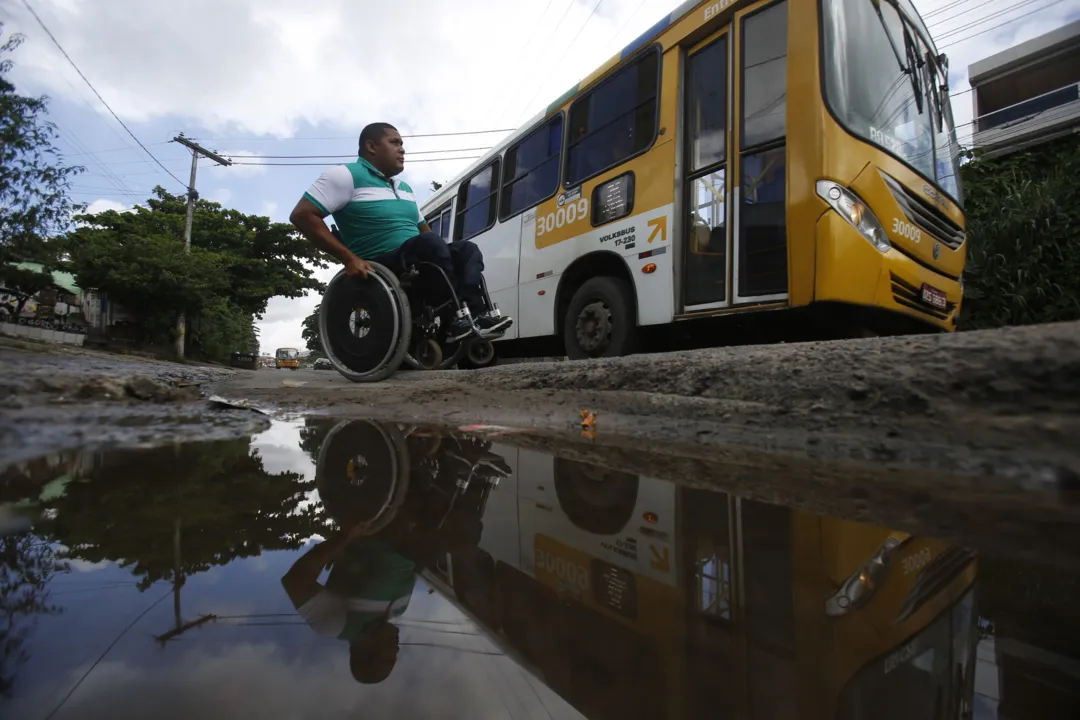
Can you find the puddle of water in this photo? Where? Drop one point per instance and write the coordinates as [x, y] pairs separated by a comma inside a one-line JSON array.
[[325, 568]]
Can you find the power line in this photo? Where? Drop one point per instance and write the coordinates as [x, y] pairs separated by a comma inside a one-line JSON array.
[[102, 656], [995, 27], [353, 155], [943, 8], [945, 21], [979, 21], [354, 137], [91, 86], [111, 150], [306, 164], [550, 35]]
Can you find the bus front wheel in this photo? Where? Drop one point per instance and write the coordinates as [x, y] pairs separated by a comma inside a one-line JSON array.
[[600, 321]]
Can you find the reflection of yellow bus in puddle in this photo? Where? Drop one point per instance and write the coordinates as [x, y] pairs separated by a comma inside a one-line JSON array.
[[632, 597]]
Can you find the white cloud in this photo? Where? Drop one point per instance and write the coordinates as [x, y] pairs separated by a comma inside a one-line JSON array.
[[241, 166], [102, 204], [220, 195], [266, 67], [269, 209]]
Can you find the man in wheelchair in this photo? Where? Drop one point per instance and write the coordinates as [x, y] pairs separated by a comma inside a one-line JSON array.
[[379, 221]]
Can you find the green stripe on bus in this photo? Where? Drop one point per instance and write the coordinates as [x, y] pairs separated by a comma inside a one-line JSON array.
[[562, 99]]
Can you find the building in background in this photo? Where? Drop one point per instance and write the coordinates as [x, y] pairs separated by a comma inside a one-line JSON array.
[[1029, 94]]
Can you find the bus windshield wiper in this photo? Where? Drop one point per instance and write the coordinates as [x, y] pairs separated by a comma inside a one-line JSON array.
[[914, 67], [909, 62]]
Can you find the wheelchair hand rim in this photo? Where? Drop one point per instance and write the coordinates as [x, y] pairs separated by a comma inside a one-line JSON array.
[[401, 331], [399, 460]]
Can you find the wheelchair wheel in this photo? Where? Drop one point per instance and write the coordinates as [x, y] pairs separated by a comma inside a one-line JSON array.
[[451, 353], [480, 353], [428, 354], [362, 474], [365, 325]]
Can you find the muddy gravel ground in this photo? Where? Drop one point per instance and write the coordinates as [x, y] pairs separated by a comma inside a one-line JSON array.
[[961, 436], [56, 398]]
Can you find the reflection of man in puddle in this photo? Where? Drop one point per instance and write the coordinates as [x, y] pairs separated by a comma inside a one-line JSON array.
[[397, 499], [369, 585]]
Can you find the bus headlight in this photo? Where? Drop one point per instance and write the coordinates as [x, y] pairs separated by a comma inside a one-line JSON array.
[[855, 211], [863, 583]]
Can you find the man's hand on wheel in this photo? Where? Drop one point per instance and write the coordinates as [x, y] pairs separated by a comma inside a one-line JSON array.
[[357, 268]]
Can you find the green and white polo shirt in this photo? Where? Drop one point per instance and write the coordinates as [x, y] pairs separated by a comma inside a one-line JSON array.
[[375, 214], [369, 581]]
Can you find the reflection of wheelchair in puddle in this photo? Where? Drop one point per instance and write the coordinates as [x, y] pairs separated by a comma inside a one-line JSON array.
[[423, 489], [370, 327]]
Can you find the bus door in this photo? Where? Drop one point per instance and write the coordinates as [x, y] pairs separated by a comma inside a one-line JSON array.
[[735, 235]]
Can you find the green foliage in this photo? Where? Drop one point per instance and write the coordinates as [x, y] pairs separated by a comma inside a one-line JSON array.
[[34, 182], [1023, 222], [310, 332], [25, 281], [27, 567], [261, 258], [224, 329], [236, 264], [220, 495], [145, 272]]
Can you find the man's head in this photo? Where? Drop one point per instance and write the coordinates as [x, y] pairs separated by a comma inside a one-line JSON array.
[[381, 145], [373, 655]]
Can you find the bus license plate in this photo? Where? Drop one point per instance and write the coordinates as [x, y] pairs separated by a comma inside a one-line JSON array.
[[934, 297]]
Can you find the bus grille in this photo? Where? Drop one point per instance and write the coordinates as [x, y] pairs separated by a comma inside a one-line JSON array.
[[906, 294], [926, 216], [933, 578]]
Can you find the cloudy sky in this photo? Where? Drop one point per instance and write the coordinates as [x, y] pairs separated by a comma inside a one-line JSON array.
[[268, 78]]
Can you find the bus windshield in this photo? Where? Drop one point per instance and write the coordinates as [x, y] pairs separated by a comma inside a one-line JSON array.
[[885, 83], [926, 677], [288, 354]]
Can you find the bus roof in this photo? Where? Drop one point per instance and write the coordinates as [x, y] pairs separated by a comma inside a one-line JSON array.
[[639, 42]]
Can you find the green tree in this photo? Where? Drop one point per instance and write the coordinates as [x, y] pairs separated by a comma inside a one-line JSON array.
[[34, 183], [1023, 225], [27, 565], [237, 263], [148, 273], [310, 333], [26, 282], [220, 496]]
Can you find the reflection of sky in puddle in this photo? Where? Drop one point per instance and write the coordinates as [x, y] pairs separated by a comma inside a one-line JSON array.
[[279, 448], [258, 659], [280, 451]]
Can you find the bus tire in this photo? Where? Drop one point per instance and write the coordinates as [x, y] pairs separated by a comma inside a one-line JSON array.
[[600, 320], [594, 498]]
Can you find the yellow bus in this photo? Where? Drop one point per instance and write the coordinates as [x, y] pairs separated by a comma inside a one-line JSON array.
[[633, 597], [287, 358], [739, 156]]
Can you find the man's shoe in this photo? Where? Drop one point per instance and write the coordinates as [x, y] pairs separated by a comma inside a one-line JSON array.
[[461, 328], [493, 324]]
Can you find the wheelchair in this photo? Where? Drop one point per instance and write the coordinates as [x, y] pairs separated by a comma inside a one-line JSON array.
[[418, 488], [370, 328]]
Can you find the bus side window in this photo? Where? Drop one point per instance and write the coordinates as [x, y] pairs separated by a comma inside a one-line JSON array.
[[531, 169], [444, 221], [615, 120], [439, 221], [476, 202]]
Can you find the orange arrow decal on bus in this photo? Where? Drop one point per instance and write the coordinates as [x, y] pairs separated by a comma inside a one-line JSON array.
[[659, 226], [660, 560]]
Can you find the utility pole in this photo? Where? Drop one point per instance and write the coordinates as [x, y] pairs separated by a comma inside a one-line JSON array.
[[192, 196]]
